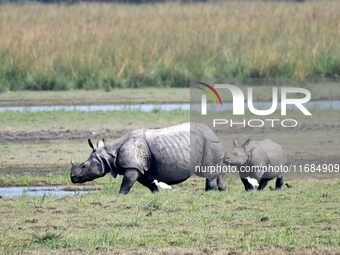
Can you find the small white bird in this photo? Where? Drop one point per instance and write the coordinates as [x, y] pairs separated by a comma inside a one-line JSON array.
[[253, 182], [162, 185]]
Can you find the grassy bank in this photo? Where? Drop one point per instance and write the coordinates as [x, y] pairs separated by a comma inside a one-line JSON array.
[[81, 97], [125, 120], [11, 180], [327, 90], [300, 220], [110, 45], [89, 121]]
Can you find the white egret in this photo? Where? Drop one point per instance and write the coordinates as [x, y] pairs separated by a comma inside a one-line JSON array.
[[253, 182], [162, 185]]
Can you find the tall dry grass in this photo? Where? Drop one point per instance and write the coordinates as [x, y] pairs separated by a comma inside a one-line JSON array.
[[112, 45]]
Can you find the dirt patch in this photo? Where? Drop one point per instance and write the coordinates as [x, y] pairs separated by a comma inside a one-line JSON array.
[[46, 134], [43, 134]]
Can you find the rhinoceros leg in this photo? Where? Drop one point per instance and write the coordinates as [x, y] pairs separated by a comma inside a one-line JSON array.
[[220, 182], [130, 177], [279, 183], [211, 183], [149, 184], [263, 183], [246, 184]]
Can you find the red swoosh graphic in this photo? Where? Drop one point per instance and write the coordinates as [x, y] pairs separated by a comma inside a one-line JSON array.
[[213, 90]]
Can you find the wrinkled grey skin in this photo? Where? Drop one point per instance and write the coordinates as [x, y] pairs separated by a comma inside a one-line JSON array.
[[257, 153], [145, 155]]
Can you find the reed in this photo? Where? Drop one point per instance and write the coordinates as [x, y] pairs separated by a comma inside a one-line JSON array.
[[89, 46]]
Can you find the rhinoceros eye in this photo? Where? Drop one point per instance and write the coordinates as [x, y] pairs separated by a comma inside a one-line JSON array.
[[83, 166]]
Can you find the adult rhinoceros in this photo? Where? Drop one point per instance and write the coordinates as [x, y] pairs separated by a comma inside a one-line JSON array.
[[168, 155]]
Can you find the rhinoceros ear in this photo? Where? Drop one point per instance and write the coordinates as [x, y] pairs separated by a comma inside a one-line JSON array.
[[101, 144], [246, 143], [236, 142], [91, 144]]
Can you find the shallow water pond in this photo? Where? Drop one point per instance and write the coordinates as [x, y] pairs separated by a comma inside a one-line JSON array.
[[227, 106], [44, 190]]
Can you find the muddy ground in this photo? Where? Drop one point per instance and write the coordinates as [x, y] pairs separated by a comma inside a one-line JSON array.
[[69, 134]]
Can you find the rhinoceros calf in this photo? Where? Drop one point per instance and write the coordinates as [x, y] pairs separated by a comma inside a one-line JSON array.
[[254, 159], [168, 155]]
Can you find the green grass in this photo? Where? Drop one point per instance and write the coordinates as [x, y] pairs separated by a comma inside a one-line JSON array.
[[81, 97], [90, 121], [299, 220], [7, 180], [90, 46], [49, 179]]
